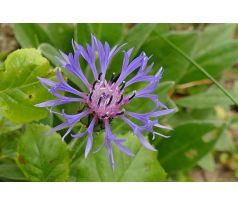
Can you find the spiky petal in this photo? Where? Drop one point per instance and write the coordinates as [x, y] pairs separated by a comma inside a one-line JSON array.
[[105, 99]]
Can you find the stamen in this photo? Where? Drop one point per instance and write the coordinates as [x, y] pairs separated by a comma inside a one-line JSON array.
[[133, 95], [120, 113], [113, 76], [99, 101], [90, 96], [106, 99], [99, 76], [122, 85], [116, 78], [110, 100], [121, 98], [94, 84], [106, 115]]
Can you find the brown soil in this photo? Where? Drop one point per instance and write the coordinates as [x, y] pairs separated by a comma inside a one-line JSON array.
[[7, 39]]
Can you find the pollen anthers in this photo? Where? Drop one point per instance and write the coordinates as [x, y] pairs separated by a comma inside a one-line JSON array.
[[106, 99]]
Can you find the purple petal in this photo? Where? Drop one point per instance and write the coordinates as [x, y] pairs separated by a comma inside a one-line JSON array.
[[153, 84], [141, 117], [137, 131], [123, 148], [163, 112], [126, 59], [47, 82], [63, 86], [53, 103], [89, 145], [90, 137], [141, 75], [89, 131], [71, 121], [68, 131], [163, 126], [89, 56], [73, 66], [77, 117], [105, 54], [109, 134], [109, 138], [90, 127], [129, 68], [144, 142], [110, 154], [100, 147], [161, 135], [153, 97], [159, 74], [114, 51], [139, 78], [79, 135], [59, 127], [65, 59]]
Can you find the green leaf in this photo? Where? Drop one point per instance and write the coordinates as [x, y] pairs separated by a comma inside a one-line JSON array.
[[30, 35], [207, 99], [142, 167], [199, 68], [10, 171], [50, 53], [161, 28], [215, 50], [42, 156], [7, 126], [163, 92], [188, 144], [8, 144], [110, 32], [225, 143], [3, 55], [215, 61], [82, 33], [61, 35], [138, 35], [165, 56], [207, 162], [20, 89], [214, 36], [188, 115]]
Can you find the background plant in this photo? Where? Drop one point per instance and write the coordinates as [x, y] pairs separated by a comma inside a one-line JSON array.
[[203, 144]]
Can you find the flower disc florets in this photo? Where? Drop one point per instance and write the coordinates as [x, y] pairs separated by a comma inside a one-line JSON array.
[[105, 99]]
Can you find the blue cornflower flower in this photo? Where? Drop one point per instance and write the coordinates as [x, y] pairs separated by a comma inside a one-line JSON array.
[[105, 100]]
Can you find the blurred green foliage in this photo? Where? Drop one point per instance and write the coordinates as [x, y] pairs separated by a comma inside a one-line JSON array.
[[204, 131]]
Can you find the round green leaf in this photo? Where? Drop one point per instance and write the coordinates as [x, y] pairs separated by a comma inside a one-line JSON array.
[[20, 89], [42, 157]]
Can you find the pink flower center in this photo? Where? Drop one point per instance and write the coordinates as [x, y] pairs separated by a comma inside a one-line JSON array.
[[106, 99]]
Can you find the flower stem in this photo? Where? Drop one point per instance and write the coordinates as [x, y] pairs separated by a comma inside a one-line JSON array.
[[200, 68]]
